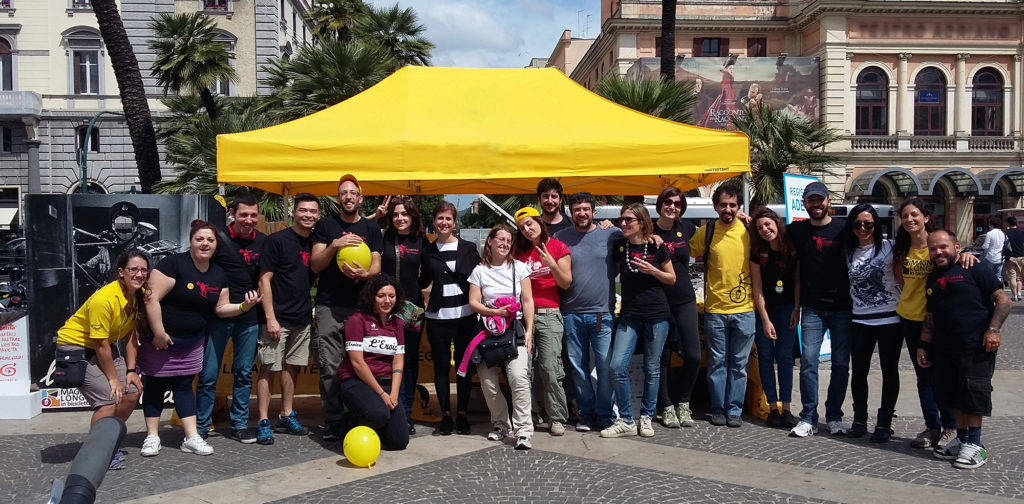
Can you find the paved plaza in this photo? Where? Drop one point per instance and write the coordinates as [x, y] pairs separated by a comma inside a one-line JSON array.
[[703, 464]]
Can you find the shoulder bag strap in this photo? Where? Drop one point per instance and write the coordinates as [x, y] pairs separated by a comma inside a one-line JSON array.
[[709, 234]]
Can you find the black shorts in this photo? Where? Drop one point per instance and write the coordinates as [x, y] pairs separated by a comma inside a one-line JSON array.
[[964, 381]]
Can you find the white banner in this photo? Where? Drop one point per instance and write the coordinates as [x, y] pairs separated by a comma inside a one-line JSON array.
[[794, 185], [14, 365]]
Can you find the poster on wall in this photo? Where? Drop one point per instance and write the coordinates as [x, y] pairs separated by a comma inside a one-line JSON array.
[[725, 85], [72, 245]]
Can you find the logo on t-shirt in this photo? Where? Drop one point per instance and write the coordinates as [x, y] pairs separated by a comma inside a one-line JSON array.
[[403, 250], [305, 258], [945, 281], [821, 243], [249, 256], [673, 245], [205, 290]]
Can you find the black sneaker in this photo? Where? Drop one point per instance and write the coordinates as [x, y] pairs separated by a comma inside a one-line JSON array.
[[718, 419], [881, 435], [774, 419], [733, 421], [264, 435], [290, 425], [461, 425], [332, 431], [788, 420], [447, 426], [244, 436], [858, 429]]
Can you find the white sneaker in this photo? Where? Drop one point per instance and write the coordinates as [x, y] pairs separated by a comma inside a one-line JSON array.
[[150, 446], [197, 445], [971, 456], [556, 429], [803, 429], [947, 436], [496, 434], [835, 428], [523, 443], [949, 451], [646, 430], [619, 429]]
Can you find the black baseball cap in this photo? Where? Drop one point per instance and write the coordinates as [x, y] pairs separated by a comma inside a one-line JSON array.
[[815, 189]]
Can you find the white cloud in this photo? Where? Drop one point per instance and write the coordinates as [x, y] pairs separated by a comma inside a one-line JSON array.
[[497, 33]]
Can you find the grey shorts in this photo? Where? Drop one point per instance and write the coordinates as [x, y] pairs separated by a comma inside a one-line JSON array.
[[96, 388], [291, 348]]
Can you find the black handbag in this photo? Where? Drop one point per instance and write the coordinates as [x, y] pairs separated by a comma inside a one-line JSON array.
[[501, 348], [69, 367]]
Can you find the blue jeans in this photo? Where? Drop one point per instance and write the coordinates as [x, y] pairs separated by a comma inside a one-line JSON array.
[[583, 332], [776, 352], [244, 338], [996, 268], [628, 330], [729, 337], [813, 324]]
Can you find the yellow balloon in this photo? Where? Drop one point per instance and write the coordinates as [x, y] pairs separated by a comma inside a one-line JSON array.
[[361, 446], [354, 254]]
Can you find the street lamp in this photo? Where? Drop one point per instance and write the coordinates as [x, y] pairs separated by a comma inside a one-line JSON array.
[[83, 161]]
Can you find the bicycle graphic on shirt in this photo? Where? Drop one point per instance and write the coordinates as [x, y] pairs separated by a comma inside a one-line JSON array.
[[738, 294]]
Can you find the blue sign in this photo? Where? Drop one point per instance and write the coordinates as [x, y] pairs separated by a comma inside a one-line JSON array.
[[929, 97]]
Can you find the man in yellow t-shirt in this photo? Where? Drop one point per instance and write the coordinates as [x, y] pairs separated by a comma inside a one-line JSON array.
[[728, 306]]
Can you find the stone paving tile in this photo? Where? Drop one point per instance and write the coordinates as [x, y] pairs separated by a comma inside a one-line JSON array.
[[894, 460], [31, 462], [501, 474]]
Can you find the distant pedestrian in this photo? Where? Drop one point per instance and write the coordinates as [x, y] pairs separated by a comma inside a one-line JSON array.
[[993, 245], [1013, 262]]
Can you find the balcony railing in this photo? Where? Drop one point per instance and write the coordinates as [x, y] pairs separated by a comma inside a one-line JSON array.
[[993, 143], [873, 143], [893, 143], [18, 104], [933, 143]]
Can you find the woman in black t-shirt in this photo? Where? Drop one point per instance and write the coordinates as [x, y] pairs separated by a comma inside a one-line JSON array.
[[404, 243], [776, 294], [683, 337], [644, 269], [186, 291]]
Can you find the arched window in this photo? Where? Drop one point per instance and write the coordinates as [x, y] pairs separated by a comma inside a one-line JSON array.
[[6, 66], [872, 102], [85, 59], [223, 86], [930, 103], [987, 103]]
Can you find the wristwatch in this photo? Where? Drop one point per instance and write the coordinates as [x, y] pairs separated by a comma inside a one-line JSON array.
[[993, 329]]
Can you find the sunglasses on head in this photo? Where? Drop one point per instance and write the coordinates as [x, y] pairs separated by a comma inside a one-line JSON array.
[[867, 225]]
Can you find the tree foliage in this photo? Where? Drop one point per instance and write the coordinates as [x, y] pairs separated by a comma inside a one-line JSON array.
[[667, 99], [188, 58]]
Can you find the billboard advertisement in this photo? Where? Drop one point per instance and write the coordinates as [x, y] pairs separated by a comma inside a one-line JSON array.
[[725, 85]]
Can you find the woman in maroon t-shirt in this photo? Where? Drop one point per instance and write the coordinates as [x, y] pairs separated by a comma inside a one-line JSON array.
[[550, 269], [371, 374]]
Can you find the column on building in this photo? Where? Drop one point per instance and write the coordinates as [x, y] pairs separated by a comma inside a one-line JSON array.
[[835, 71], [962, 100], [904, 100], [1015, 101]]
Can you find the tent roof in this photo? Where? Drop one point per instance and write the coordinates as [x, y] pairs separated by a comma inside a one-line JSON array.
[[430, 130]]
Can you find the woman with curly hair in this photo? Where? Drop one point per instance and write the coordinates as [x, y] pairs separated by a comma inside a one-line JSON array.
[[371, 374]]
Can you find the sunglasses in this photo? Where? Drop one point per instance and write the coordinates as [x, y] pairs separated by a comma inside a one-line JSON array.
[[677, 203], [866, 225], [627, 220]]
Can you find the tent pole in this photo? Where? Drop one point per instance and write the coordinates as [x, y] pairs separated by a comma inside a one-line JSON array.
[[284, 200], [746, 193]]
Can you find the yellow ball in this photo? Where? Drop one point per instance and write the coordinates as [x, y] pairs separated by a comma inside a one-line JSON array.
[[354, 254], [361, 446]]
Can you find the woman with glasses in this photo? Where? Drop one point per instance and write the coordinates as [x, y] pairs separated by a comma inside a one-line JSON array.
[[111, 314], [644, 269], [875, 295], [683, 337]]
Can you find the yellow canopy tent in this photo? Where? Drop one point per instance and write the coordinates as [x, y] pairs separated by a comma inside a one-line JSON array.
[[428, 130]]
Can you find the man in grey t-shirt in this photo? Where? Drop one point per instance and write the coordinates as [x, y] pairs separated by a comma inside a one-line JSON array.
[[587, 307]]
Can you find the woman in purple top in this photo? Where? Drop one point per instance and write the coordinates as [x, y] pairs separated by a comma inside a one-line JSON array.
[[186, 291]]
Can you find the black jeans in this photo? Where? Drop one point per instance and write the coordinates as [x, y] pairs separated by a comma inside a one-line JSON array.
[[441, 334], [369, 409], [934, 416], [684, 340], [412, 368], [890, 342]]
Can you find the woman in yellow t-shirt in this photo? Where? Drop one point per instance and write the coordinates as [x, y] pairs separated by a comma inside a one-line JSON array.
[[114, 312], [912, 265]]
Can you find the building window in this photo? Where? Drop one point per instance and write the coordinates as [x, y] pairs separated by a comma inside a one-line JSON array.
[[223, 86], [6, 140], [987, 103], [710, 47], [282, 11], [872, 102], [94, 140], [930, 103], [84, 49], [217, 5], [81, 4], [5, 4], [6, 66], [757, 47], [657, 47]]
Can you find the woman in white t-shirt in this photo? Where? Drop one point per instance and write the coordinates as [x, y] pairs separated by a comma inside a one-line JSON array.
[[498, 276], [875, 295]]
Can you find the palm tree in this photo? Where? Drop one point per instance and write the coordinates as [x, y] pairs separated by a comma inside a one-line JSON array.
[[666, 99], [188, 58], [668, 39], [398, 30], [319, 76], [336, 19], [133, 93], [779, 140]]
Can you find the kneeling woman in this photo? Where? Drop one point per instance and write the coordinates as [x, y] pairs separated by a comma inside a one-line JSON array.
[[371, 374]]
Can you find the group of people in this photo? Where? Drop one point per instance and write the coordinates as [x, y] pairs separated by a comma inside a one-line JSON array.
[[551, 283]]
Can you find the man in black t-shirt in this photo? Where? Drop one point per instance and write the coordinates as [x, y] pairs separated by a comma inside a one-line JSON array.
[[338, 291], [285, 282], [1014, 261], [549, 198], [238, 253], [959, 340], [826, 306]]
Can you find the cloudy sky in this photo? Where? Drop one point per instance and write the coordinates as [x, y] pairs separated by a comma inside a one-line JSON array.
[[499, 33]]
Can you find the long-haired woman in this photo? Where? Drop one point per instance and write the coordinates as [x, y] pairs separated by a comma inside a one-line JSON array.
[[776, 289], [644, 269], [501, 276]]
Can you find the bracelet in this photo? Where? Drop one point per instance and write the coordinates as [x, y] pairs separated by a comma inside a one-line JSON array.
[[131, 371], [399, 371], [241, 307], [382, 393], [993, 329]]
